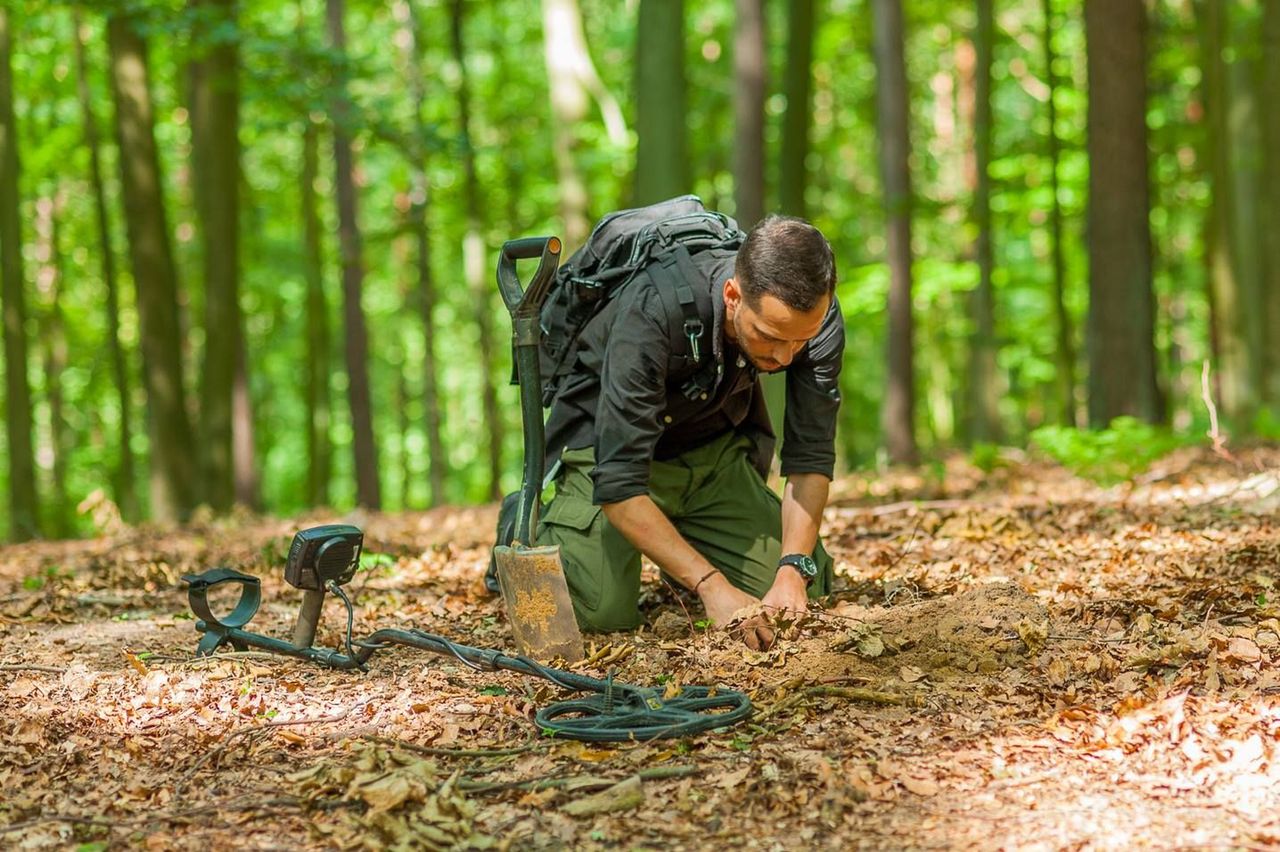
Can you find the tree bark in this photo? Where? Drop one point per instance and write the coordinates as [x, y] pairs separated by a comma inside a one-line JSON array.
[[419, 204], [984, 412], [748, 109], [123, 481], [1065, 356], [1122, 363], [356, 342], [225, 416], [898, 416], [572, 77], [473, 261], [662, 169], [1233, 273], [319, 356], [23, 506], [1247, 237], [798, 86], [173, 479], [49, 271], [1271, 161]]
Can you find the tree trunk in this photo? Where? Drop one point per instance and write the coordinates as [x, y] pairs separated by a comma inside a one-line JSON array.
[[1247, 237], [1271, 193], [898, 416], [319, 358], [1122, 363], [173, 479], [123, 482], [572, 77], [662, 169], [224, 404], [368, 493], [748, 110], [1232, 275], [797, 85], [984, 411], [474, 262], [53, 336], [419, 201], [23, 507], [1065, 357]]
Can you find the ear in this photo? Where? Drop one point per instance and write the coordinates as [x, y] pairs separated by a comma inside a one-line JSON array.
[[732, 294]]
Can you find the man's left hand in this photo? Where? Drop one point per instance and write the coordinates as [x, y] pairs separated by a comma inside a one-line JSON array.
[[788, 593]]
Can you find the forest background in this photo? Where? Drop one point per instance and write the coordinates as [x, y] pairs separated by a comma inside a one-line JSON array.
[[247, 248]]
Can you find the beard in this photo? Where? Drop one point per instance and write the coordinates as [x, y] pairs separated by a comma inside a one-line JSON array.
[[761, 365]]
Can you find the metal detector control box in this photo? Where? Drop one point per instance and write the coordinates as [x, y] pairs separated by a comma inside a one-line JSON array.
[[321, 554]]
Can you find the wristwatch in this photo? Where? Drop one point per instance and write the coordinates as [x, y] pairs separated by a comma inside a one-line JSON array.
[[804, 565]]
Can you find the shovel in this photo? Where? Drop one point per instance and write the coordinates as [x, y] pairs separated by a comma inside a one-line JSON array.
[[532, 578]]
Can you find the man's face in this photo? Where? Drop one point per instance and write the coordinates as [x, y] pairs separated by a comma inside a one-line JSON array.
[[770, 334]]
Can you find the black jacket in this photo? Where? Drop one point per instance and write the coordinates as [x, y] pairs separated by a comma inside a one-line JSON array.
[[635, 395]]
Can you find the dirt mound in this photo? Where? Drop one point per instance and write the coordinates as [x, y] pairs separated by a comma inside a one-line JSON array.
[[984, 630]]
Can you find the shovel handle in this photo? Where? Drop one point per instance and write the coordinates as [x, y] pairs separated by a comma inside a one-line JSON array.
[[527, 301]]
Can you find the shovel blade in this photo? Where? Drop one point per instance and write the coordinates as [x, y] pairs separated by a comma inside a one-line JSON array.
[[537, 600]]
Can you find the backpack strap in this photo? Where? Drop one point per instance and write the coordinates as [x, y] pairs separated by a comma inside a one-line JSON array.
[[678, 268], [678, 277]]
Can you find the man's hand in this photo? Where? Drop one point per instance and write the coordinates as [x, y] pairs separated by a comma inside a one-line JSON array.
[[789, 593], [722, 601]]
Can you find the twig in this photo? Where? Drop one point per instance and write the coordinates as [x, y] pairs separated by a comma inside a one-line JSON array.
[[1219, 442], [222, 655], [435, 751], [254, 729], [22, 667], [653, 773], [676, 594], [851, 693], [908, 505], [247, 804]]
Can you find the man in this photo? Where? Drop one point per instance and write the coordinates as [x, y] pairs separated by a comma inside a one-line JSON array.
[[646, 467]]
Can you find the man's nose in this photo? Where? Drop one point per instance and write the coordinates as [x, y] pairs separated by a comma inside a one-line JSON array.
[[785, 353]]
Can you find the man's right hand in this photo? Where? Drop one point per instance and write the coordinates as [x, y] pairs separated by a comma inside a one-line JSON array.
[[723, 600]]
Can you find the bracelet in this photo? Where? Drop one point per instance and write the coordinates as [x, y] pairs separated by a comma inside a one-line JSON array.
[[705, 577]]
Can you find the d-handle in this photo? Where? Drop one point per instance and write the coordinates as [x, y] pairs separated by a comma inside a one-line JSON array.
[[527, 302]]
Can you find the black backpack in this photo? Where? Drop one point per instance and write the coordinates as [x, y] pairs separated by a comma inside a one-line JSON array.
[[659, 239]]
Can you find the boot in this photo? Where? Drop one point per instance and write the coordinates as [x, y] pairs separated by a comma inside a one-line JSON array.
[[506, 534]]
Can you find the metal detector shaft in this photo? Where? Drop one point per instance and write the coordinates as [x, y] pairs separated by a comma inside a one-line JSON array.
[[480, 658]]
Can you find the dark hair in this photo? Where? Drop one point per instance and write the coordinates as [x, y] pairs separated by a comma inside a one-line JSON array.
[[790, 260]]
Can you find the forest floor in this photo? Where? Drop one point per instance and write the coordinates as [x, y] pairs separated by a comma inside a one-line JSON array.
[[1057, 665]]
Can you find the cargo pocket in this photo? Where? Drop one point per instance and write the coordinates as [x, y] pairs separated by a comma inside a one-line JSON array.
[[574, 524]]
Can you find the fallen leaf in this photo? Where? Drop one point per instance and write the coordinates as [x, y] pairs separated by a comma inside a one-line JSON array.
[[135, 663], [911, 674], [732, 779], [385, 792], [1243, 650], [920, 786], [623, 796]]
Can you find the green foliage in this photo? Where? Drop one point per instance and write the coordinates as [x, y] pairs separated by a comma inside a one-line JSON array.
[[288, 76], [1108, 456], [985, 457], [1266, 424]]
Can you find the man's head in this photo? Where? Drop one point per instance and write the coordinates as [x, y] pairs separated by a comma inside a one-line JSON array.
[[782, 286]]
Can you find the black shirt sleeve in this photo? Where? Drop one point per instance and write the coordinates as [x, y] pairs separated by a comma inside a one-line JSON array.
[[632, 397], [813, 399]]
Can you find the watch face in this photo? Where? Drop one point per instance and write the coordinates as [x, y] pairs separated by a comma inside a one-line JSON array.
[[804, 564]]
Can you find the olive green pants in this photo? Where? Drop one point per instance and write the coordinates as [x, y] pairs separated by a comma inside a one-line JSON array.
[[713, 496]]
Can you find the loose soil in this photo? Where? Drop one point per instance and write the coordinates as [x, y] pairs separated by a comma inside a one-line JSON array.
[[1012, 660]]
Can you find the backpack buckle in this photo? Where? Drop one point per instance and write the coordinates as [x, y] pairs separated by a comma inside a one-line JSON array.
[[587, 289], [693, 329]]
